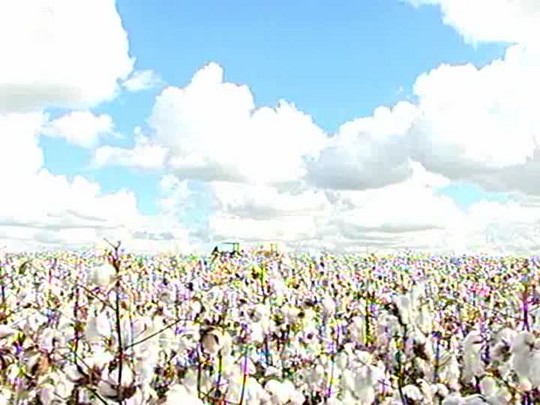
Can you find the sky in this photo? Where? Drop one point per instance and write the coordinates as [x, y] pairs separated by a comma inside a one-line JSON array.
[[373, 125]]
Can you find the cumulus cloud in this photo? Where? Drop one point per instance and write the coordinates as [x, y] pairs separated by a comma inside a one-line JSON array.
[[214, 132], [80, 128], [141, 80], [368, 152], [269, 173], [53, 55], [144, 155], [36, 203], [510, 21]]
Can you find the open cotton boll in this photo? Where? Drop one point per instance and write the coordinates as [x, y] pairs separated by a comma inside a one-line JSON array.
[[254, 393], [5, 396], [404, 307], [102, 276], [472, 356], [524, 356], [178, 394], [6, 331], [215, 341], [256, 333], [98, 327], [284, 392], [424, 320], [328, 306], [46, 394], [413, 393]]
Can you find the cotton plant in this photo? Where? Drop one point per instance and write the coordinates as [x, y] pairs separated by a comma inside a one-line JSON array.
[[204, 333]]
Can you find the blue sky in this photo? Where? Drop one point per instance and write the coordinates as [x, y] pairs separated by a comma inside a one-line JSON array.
[[378, 123], [335, 63]]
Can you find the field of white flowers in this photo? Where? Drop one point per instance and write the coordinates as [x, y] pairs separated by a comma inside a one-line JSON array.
[[88, 329]]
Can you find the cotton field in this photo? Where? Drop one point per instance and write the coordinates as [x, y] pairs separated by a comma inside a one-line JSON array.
[[253, 329]]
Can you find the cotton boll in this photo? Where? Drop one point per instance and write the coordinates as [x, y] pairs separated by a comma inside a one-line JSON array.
[[534, 367], [47, 338], [6, 331], [488, 386], [450, 372], [328, 306], [98, 327], [177, 394], [472, 356], [254, 393], [412, 392], [424, 320], [5, 396], [405, 311], [522, 349], [453, 399], [357, 329], [102, 276], [279, 394], [256, 333], [46, 394], [214, 341]]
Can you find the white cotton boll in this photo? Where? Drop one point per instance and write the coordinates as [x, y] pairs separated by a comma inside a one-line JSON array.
[[522, 349], [256, 332], [46, 339], [272, 372], [328, 306], [404, 307], [294, 396], [333, 401], [440, 390], [261, 311], [412, 392], [98, 327], [453, 399], [472, 356], [342, 360], [450, 372], [102, 276], [127, 376], [365, 395], [357, 329], [534, 369], [488, 386], [6, 331], [254, 393], [178, 394], [424, 320], [275, 390], [46, 394], [63, 387], [215, 341], [348, 380], [290, 314], [5, 396]]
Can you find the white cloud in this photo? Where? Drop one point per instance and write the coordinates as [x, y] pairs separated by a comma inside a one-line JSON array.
[[271, 174], [411, 214], [512, 21], [39, 209], [144, 155], [60, 53], [214, 132], [141, 80], [53, 56], [368, 152], [80, 128], [470, 124]]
